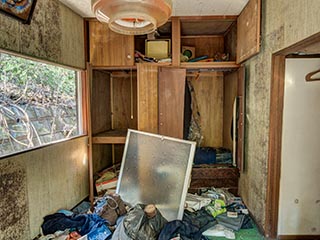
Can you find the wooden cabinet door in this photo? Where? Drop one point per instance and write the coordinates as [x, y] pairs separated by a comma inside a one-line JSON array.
[[108, 48], [147, 97], [171, 101], [248, 31]]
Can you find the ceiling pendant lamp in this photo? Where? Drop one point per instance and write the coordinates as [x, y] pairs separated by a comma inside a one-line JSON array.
[[132, 17]]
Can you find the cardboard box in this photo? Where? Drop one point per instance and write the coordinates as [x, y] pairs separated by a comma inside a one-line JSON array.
[[106, 185]]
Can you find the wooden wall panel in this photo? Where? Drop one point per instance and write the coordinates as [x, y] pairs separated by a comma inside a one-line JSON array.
[[230, 42], [171, 101], [56, 178], [248, 36], [230, 93], [100, 102], [148, 97], [124, 100], [108, 48], [102, 156], [209, 93], [205, 45]]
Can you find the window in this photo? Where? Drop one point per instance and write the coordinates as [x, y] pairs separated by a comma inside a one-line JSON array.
[[39, 104]]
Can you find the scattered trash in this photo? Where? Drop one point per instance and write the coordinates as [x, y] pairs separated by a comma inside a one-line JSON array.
[[151, 160]]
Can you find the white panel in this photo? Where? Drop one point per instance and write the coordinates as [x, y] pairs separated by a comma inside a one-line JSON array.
[[156, 170], [207, 7], [299, 207]]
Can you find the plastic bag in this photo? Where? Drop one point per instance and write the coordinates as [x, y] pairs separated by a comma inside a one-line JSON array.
[[138, 225]]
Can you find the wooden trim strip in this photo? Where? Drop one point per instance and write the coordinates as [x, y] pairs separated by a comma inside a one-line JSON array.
[[84, 106], [301, 45], [114, 67], [109, 140], [202, 36], [275, 143], [204, 18], [299, 237], [210, 65], [89, 130]]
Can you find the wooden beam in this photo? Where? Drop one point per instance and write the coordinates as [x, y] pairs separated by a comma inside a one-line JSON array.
[[90, 163], [176, 41], [109, 140]]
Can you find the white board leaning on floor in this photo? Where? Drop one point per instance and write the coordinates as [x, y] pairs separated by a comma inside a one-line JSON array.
[[156, 169]]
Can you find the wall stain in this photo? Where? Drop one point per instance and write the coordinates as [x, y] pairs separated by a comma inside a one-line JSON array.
[[52, 31], [13, 204], [275, 39]]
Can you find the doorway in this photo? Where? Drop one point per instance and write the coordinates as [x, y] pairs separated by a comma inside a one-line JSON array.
[[276, 134]]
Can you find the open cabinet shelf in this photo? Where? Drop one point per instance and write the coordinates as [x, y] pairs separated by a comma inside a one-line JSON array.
[[110, 137], [211, 65]]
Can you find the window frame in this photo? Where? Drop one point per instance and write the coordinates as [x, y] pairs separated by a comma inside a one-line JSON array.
[[80, 94]]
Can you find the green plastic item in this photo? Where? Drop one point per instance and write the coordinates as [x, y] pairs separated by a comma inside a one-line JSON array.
[[216, 207]]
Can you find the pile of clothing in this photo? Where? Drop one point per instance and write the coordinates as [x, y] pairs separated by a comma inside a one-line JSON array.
[[66, 225], [213, 212], [228, 212]]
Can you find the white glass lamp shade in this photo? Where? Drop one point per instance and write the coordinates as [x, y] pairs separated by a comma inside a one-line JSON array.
[[132, 17]]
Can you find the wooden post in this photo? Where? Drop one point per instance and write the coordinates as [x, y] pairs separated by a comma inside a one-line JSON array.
[[176, 41]]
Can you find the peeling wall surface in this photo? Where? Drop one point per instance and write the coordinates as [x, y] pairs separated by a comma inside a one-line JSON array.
[[284, 23], [55, 34], [41, 181]]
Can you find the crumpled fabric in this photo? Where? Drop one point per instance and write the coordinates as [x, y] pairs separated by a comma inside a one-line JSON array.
[[200, 219], [190, 228], [186, 231], [83, 223]]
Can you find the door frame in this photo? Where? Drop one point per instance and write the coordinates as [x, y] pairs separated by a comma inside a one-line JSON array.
[[308, 45]]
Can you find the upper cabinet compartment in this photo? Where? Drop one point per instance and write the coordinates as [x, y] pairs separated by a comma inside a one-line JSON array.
[[248, 40], [107, 48], [211, 40], [186, 41]]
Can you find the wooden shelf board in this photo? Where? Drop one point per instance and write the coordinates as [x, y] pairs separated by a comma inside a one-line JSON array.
[[109, 137], [210, 65], [133, 67], [188, 65]]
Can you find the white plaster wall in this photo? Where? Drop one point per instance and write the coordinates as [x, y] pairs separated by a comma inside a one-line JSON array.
[[299, 207]]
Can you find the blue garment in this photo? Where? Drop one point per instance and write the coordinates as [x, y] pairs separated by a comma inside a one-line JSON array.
[[83, 223], [205, 155]]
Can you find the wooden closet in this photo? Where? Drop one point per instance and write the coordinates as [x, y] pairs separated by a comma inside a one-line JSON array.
[[152, 96]]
